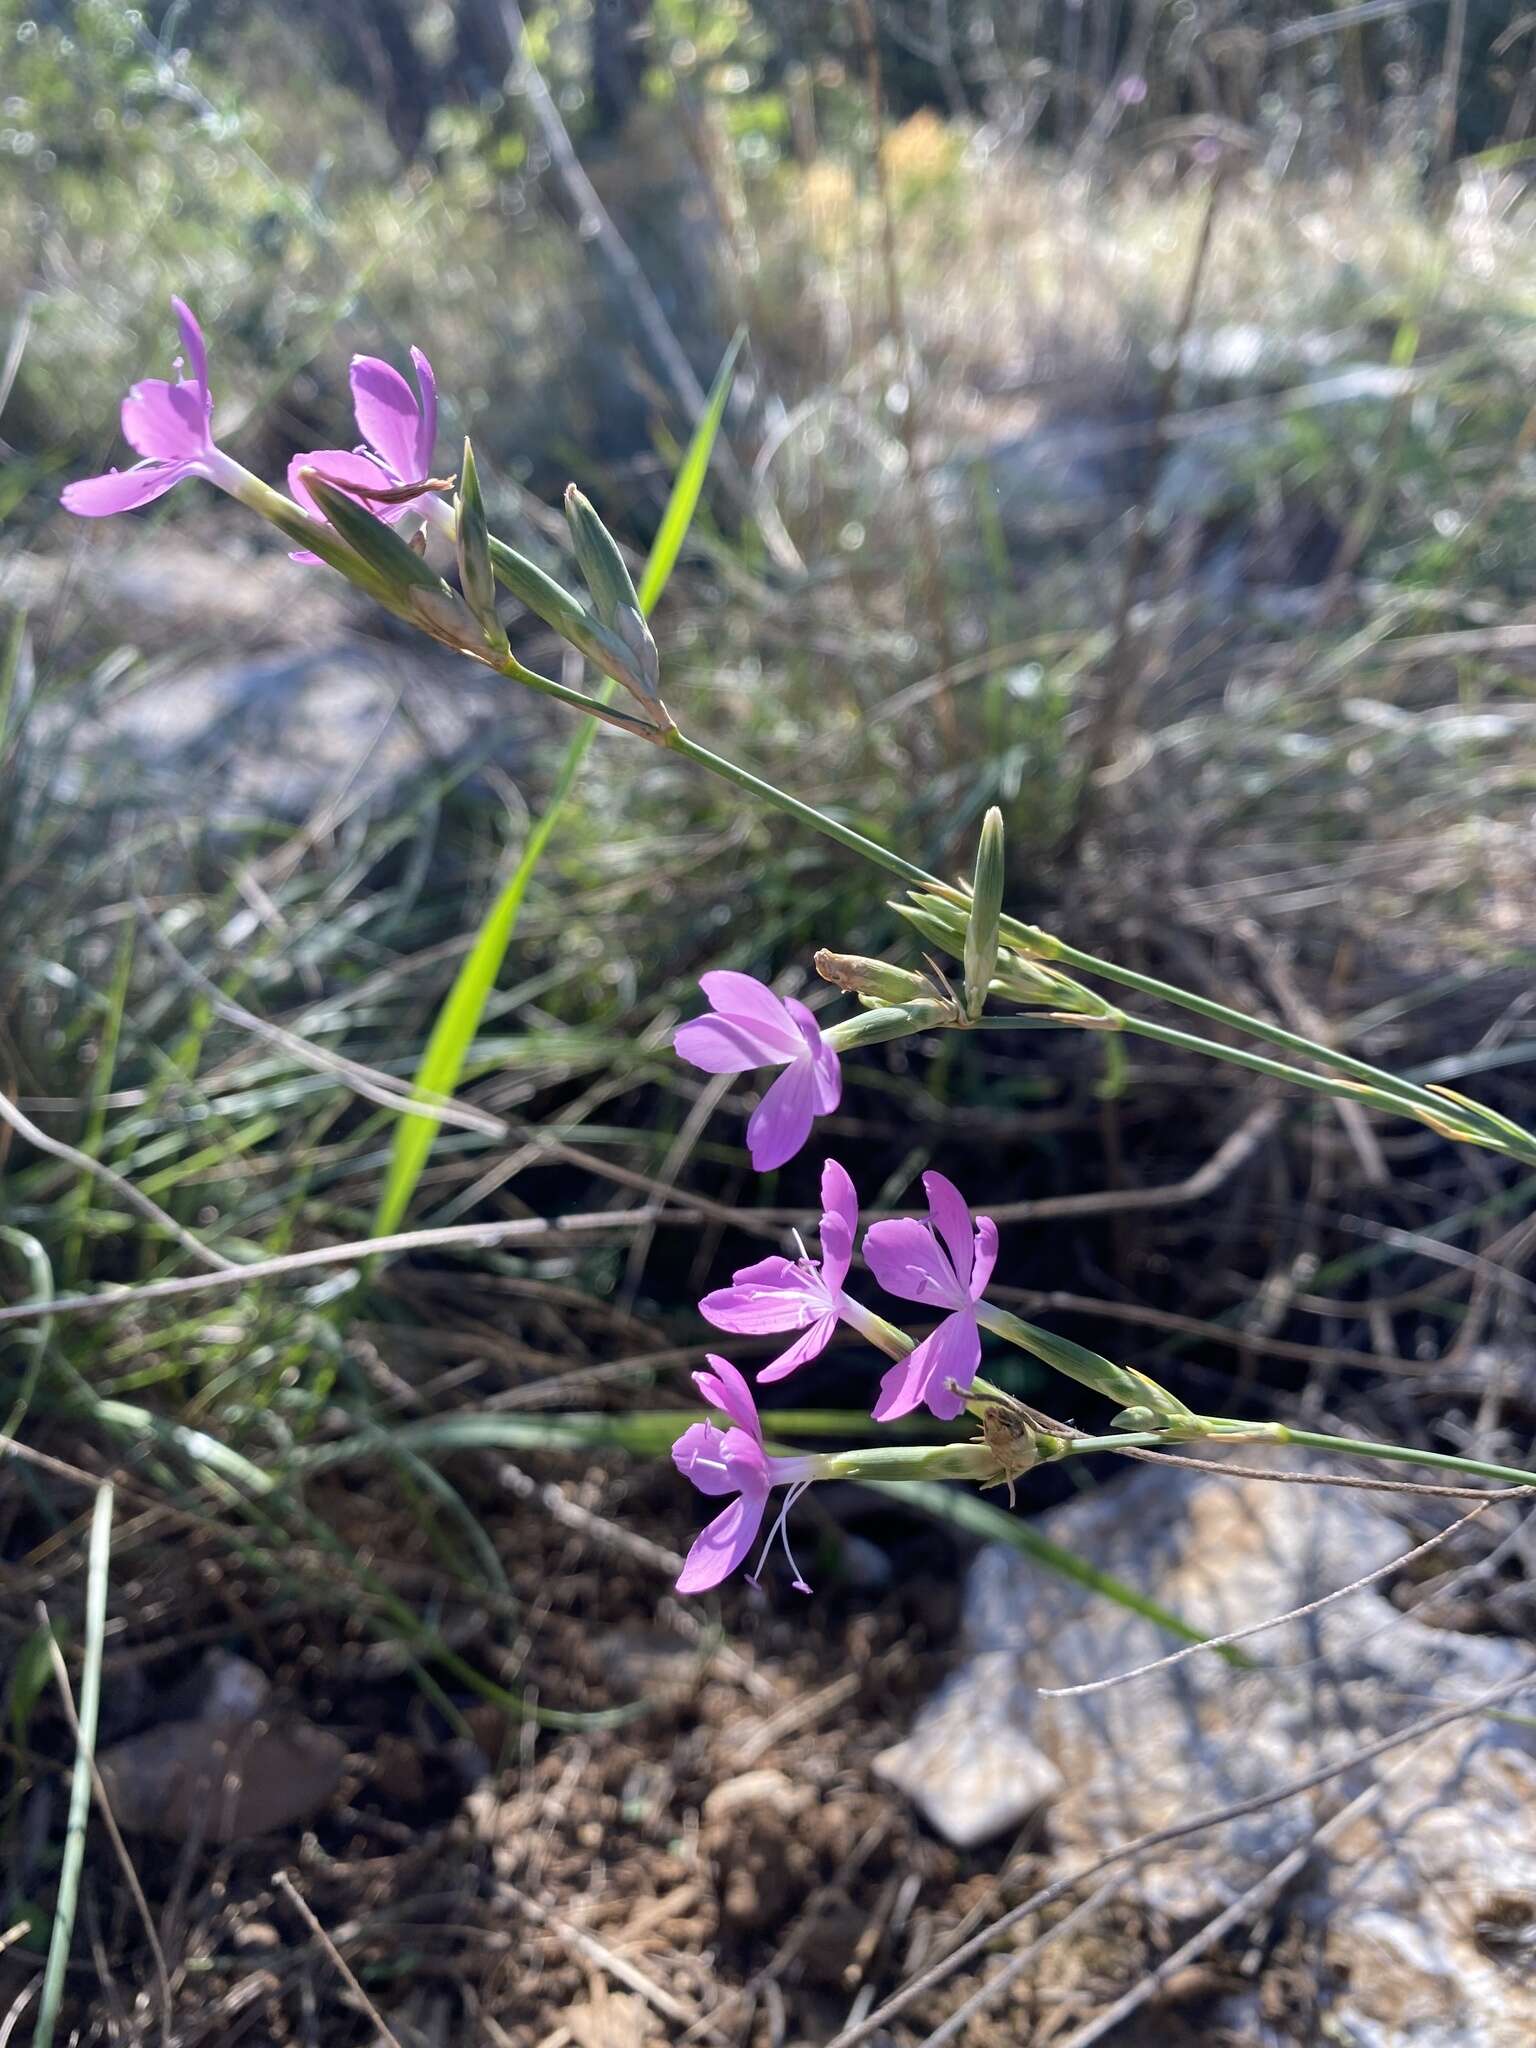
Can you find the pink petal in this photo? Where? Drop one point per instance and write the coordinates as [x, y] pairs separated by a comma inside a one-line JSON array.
[[197, 352], [426, 439], [839, 1197], [806, 1347], [839, 1224], [388, 415], [743, 997], [952, 1219], [775, 1294], [986, 1256], [836, 1255], [951, 1352], [122, 490], [829, 1074], [724, 1544], [165, 422], [341, 466], [726, 1045], [907, 1260], [725, 1388], [782, 1121], [699, 1454]]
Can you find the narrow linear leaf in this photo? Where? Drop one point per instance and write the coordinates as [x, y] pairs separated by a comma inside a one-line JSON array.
[[86, 1714]]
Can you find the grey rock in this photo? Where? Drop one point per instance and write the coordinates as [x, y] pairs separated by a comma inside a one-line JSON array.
[[968, 1767], [221, 1780], [245, 689], [1414, 1906]]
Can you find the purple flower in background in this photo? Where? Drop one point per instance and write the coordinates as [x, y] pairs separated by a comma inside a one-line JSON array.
[[795, 1294], [752, 1027], [170, 426], [733, 1461], [399, 431], [944, 1265]]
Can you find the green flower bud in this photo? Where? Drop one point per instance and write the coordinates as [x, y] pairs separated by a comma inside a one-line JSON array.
[[613, 595], [1134, 1418], [933, 929], [858, 976], [389, 569], [377, 545], [980, 952], [901, 1020], [477, 579]]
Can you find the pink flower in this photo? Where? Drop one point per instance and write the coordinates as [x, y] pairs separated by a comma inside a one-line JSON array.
[[734, 1461], [795, 1294], [399, 431], [752, 1027], [170, 425], [940, 1263]]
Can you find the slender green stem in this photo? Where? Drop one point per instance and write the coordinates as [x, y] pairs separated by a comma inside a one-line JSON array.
[[1121, 1440], [1227, 1429], [1257, 1063], [1385, 1090], [845, 835], [558, 607], [1402, 1454], [1238, 1020], [595, 707], [86, 1716]]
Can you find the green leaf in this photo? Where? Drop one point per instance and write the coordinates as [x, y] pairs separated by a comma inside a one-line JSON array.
[[686, 491], [98, 1559], [458, 1021]]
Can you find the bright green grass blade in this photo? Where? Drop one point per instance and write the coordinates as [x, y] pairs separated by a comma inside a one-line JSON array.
[[453, 1033], [686, 490], [979, 1518], [63, 1929]]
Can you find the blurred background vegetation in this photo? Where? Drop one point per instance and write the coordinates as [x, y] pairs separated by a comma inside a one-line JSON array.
[[1134, 430]]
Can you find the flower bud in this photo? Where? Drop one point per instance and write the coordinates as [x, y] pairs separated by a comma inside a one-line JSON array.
[[933, 929], [1025, 981], [858, 976], [390, 569], [477, 579], [613, 596], [545, 598], [901, 1020], [980, 953], [375, 544], [1137, 1418]]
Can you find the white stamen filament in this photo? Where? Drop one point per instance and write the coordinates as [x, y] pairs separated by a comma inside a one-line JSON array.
[[781, 1529]]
